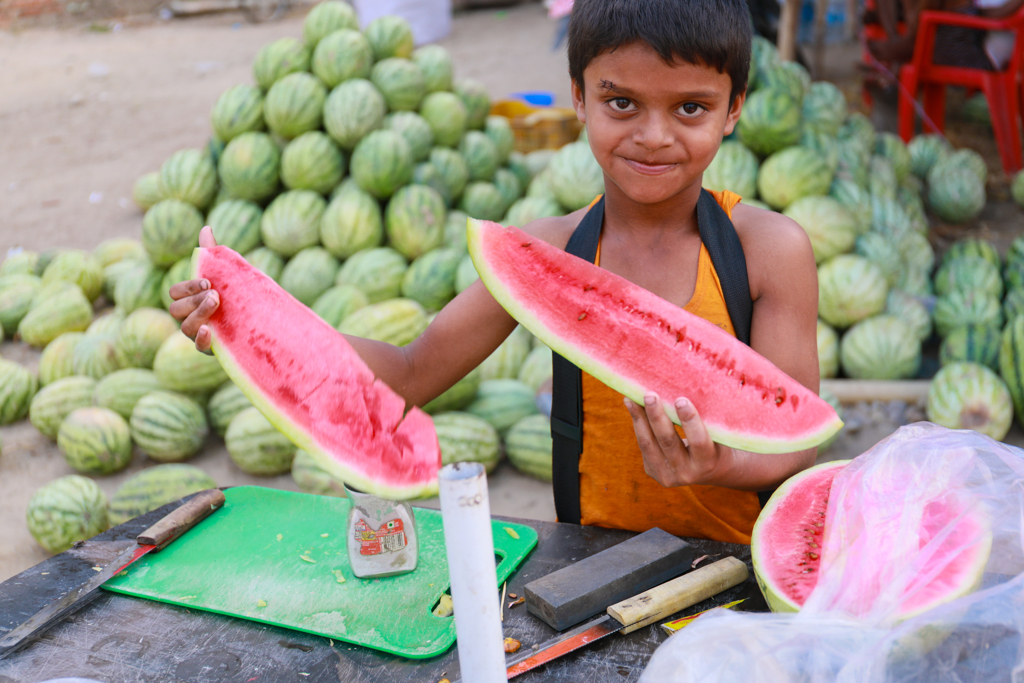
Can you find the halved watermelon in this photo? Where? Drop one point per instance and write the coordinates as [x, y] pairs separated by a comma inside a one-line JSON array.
[[635, 342], [310, 383]]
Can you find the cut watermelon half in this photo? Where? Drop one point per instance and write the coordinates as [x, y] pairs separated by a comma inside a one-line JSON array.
[[635, 342], [312, 385]]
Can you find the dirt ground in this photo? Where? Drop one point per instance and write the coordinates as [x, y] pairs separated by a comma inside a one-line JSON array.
[[84, 112]]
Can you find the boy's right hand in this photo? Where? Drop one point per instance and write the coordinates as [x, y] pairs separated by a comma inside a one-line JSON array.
[[194, 302]]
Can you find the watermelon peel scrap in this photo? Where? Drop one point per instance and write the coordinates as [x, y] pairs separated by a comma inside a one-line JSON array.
[[313, 387], [635, 342]]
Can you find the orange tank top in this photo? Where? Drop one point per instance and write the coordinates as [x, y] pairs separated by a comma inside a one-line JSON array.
[[615, 491]]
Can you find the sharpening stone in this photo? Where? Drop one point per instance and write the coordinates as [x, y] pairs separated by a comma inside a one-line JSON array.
[[566, 597]]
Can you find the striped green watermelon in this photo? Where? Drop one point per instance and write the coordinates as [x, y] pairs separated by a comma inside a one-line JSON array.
[[276, 60], [880, 347], [734, 168], [455, 230], [17, 388], [973, 246], [1013, 274], [52, 404], [447, 115], [238, 110], [850, 289], [414, 220], [528, 445], [968, 158], [499, 130], [55, 362], [880, 250], [312, 162], [389, 36], [966, 308], [973, 344], [212, 151], [483, 201], [955, 193], [528, 209], [882, 181], [167, 426], [342, 55], [401, 82], [236, 224], [925, 151], [256, 446], [824, 108], [309, 274], [536, 368], [121, 390], [916, 281], [376, 272], [466, 438], [970, 396], [788, 77], [854, 199], [294, 105], [338, 302], [416, 131], [95, 441], [19, 261], [325, 18], [225, 403], [95, 356], [382, 162], [352, 222], [118, 249], [770, 121], [352, 111], [457, 396], [155, 487], [911, 310], [292, 221], [478, 103], [506, 360], [430, 279], [146, 191], [249, 167], [502, 402], [969, 273], [190, 176], [395, 321], [312, 478], [828, 350], [831, 228], [139, 287], [54, 311], [792, 173], [576, 177], [68, 509], [917, 251], [16, 293], [859, 127], [891, 146], [425, 173], [1011, 362], [181, 367], [436, 64], [466, 274], [142, 333], [453, 171], [78, 267], [1013, 304], [508, 187], [109, 323], [113, 272]]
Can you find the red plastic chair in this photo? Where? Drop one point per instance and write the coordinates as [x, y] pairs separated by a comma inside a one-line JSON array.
[[1002, 88]]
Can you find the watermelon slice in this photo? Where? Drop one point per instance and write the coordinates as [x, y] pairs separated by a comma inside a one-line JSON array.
[[310, 383], [635, 342]]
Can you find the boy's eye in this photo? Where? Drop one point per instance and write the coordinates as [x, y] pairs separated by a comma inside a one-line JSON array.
[[621, 104], [691, 109]]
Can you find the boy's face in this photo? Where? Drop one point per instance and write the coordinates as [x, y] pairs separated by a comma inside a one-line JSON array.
[[653, 127]]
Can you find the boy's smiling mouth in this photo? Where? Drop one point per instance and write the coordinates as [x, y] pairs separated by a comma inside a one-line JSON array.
[[648, 169]]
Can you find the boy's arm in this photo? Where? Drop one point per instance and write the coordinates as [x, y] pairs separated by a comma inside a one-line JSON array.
[[784, 286]]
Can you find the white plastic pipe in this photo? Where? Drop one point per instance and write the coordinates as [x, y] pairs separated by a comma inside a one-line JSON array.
[[466, 514]]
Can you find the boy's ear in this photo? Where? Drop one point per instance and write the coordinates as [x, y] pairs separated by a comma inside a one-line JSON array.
[[734, 112], [577, 102]]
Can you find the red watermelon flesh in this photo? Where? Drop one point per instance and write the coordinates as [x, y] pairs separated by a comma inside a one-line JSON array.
[[636, 342], [311, 384]]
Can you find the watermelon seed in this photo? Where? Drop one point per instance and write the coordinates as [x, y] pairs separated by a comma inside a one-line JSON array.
[[582, 315], [526, 244], [813, 556], [587, 288]]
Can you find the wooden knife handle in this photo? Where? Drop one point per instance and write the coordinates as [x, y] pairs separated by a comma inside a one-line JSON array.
[[689, 589], [182, 519]]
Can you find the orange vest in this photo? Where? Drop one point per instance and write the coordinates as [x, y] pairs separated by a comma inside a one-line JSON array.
[[615, 492]]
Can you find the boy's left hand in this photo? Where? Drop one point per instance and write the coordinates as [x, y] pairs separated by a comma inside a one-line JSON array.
[[668, 459]]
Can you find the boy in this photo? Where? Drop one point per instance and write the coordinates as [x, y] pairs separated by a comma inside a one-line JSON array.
[[658, 84]]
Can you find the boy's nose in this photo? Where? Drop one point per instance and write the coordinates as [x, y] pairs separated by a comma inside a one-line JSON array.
[[654, 133]]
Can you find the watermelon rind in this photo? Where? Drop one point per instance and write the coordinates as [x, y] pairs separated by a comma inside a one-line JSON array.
[[309, 274], [467, 438], [78, 267], [16, 293], [181, 367], [338, 302], [436, 64], [278, 59], [139, 287], [294, 105], [312, 478], [376, 272], [341, 55], [167, 426], [256, 446], [121, 390], [54, 312], [351, 223], [141, 335], [55, 362], [292, 221], [238, 110], [394, 321], [966, 395], [502, 403], [325, 18], [528, 445], [389, 36], [95, 356], [68, 509], [18, 386], [155, 487], [457, 396], [95, 440], [225, 403]]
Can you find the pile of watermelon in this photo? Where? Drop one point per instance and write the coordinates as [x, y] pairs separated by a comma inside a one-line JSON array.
[[346, 173]]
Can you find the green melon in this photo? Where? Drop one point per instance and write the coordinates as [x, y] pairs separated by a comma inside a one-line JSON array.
[[576, 177], [236, 224], [376, 272], [457, 396], [970, 396], [788, 77], [389, 36], [1013, 304], [118, 249], [528, 446], [882, 181], [342, 55], [466, 274], [53, 312], [425, 173], [170, 231], [382, 162], [395, 321], [505, 361], [859, 127], [734, 168], [18, 386], [850, 289], [52, 404], [965, 308], [480, 154], [95, 356], [483, 201], [146, 191], [121, 390], [880, 347], [911, 310], [499, 130], [238, 110], [181, 367], [140, 286], [453, 171], [211, 151], [770, 121], [824, 108], [292, 221], [831, 228], [973, 344], [1013, 274], [536, 368], [19, 261], [478, 103], [113, 272], [352, 111], [141, 335], [256, 446], [436, 64], [294, 105], [455, 230], [312, 478], [190, 176], [416, 131], [325, 18], [16, 293], [249, 167], [155, 487], [520, 164], [1011, 362], [430, 279], [502, 402], [338, 302], [891, 146], [401, 82], [824, 145], [467, 438], [854, 199], [790, 174], [880, 250], [828, 350], [78, 267], [225, 403], [68, 509], [966, 157], [309, 274], [447, 115], [352, 223], [95, 441], [508, 187], [925, 151], [917, 252], [955, 193], [414, 220], [973, 246], [167, 426], [528, 209], [276, 60], [969, 273], [55, 362]]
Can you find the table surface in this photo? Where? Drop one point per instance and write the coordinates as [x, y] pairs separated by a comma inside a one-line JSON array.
[[119, 638]]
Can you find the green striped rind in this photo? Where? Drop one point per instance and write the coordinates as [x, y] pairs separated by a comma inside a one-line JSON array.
[[292, 221], [528, 209], [256, 446], [447, 115], [267, 261], [430, 280], [973, 246], [536, 368], [761, 553], [78, 267], [69, 509], [483, 201], [854, 199], [181, 367], [972, 343], [436, 64], [828, 350], [175, 274], [342, 55], [880, 347], [170, 230], [831, 228], [955, 193], [455, 230], [155, 487], [376, 272], [139, 287], [146, 191], [910, 310], [1015, 254], [970, 396], [224, 405], [478, 103], [16, 294], [1013, 304], [499, 130], [167, 426], [502, 402], [311, 162], [576, 177], [389, 36], [382, 162], [824, 108], [121, 390], [850, 289], [352, 111], [395, 321], [457, 396], [414, 220], [17, 388], [294, 105], [891, 146], [528, 446], [453, 172], [238, 110], [770, 121], [95, 356], [52, 404], [95, 441], [481, 155], [189, 175], [416, 131], [65, 309], [339, 302], [925, 152], [467, 438], [1013, 275], [312, 478], [969, 273], [966, 308], [353, 222], [466, 274], [109, 323], [880, 250], [792, 173], [113, 272], [733, 168], [506, 360], [236, 224], [620, 383], [141, 335], [508, 186], [401, 82], [55, 362], [24, 262], [325, 18], [1011, 362], [917, 251], [309, 274], [276, 60], [249, 167]]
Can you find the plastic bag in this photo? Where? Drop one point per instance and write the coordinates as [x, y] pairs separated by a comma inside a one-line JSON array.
[[922, 506]]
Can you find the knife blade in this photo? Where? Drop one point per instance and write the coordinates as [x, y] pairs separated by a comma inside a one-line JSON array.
[[155, 538]]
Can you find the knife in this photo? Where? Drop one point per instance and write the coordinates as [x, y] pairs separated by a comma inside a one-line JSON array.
[[154, 538], [636, 612]]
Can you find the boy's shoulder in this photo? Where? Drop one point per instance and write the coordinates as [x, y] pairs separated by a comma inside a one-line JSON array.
[[773, 244], [556, 230]]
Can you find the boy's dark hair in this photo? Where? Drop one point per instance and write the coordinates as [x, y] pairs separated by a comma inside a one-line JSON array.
[[715, 33]]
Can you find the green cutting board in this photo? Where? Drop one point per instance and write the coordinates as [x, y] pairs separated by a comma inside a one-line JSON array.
[[250, 553]]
